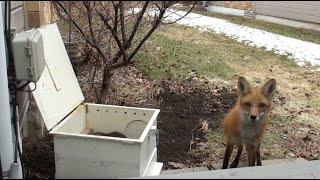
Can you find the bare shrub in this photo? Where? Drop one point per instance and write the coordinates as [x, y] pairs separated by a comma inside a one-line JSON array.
[[113, 31]]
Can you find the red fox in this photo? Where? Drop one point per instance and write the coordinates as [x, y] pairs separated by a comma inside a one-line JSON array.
[[246, 122]]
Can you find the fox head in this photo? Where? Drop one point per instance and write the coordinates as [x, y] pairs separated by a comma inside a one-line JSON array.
[[255, 103]]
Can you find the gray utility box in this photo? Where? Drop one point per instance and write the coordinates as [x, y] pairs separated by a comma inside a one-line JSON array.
[[28, 55], [83, 155]]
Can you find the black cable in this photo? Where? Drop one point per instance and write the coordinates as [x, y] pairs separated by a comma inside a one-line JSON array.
[[14, 92], [6, 35], [8, 38], [1, 173], [23, 86]]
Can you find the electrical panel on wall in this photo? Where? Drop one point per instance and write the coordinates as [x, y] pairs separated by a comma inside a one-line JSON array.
[[28, 55]]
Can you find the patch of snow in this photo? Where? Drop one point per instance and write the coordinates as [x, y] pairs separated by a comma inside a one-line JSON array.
[[298, 50], [134, 10], [177, 5]]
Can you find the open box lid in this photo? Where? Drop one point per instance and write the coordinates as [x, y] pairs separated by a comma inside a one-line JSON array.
[[57, 91]]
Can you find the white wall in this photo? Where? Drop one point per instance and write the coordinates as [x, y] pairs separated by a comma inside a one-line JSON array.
[[6, 145]]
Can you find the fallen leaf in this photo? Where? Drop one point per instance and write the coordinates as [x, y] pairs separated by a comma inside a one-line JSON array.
[[313, 132], [304, 129], [205, 126], [302, 155], [176, 165], [267, 153], [284, 136], [315, 156], [291, 154], [307, 138]]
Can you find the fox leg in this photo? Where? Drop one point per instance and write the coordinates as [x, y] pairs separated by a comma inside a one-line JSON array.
[[227, 155], [237, 158], [258, 156], [251, 152]]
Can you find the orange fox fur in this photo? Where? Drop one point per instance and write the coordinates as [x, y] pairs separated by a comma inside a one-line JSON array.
[[245, 124]]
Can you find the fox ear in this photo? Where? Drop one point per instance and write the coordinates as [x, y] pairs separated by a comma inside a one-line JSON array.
[[243, 86], [269, 88]]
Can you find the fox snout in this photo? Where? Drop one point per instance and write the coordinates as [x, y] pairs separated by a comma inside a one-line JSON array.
[[254, 113], [253, 118]]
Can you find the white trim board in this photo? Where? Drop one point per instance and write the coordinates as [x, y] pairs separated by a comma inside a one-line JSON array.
[[276, 20], [223, 10], [288, 22]]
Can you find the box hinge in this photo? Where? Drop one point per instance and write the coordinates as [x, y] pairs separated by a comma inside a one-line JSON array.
[[86, 107]]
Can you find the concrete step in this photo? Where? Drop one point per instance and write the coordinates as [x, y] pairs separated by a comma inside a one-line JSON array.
[[241, 164], [283, 170], [184, 170], [264, 162], [154, 169]]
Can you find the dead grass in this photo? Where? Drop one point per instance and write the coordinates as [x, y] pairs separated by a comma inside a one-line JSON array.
[[178, 52]]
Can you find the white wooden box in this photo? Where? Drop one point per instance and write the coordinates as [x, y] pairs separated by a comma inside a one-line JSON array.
[[89, 156], [66, 115]]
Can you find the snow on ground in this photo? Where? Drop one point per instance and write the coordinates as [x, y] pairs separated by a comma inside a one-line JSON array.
[[300, 51]]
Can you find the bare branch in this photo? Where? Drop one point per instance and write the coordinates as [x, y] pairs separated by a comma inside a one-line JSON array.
[[134, 30], [115, 36], [80, 30], [113, 33], [154, 27], [123, 32], [89, 16], [194, 4]]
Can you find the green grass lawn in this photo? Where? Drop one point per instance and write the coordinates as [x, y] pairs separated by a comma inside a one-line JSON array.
[[174, 52]]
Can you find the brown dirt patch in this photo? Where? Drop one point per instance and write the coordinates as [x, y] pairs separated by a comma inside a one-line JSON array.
[[38, 157], [181, 122]]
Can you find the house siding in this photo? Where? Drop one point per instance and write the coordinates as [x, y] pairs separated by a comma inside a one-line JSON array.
[[242, 5], [18, 19], [307, 11]]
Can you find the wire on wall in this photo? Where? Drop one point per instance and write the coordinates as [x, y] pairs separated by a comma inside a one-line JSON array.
[[13, 91]]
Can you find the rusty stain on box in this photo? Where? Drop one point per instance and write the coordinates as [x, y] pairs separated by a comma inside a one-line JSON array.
[[66, 115]]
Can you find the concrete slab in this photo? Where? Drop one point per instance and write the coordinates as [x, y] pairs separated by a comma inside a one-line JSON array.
[[154, 169], [219, 165], [298, 169], [265, 162], [185, 170]]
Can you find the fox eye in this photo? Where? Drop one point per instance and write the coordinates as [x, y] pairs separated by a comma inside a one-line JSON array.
[[262, 105], [247, 104]]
